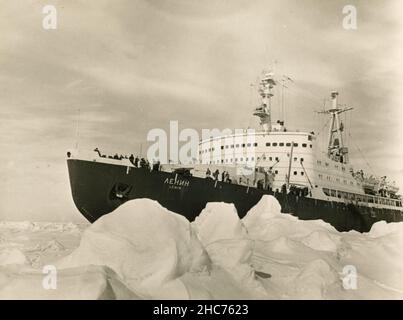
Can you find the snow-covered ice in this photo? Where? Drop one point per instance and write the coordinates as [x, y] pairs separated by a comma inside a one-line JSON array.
[[143, 251]]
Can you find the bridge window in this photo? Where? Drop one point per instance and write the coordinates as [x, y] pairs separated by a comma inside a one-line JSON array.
[[267, 144], [281, 144], [302, 173], [304, 145], [255, 144], [243, 145], [295, 144], [274, 144], [310, 146], [288, 144]]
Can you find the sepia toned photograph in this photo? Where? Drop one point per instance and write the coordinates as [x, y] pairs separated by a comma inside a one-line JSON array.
[[201, 150]]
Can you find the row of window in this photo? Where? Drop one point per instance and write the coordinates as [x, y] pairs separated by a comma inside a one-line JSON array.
[[361, 198], [243, 145], [277, 159], [327, 165], [329, 178]]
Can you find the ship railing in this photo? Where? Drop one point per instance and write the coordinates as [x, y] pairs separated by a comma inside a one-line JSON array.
[[372, 199]]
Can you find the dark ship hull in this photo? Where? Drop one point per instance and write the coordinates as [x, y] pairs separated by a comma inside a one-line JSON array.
[[99, 188]]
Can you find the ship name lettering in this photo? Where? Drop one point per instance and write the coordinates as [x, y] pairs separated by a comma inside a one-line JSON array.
[[177, 182]]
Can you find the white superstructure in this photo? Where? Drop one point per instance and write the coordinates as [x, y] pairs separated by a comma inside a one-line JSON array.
[[294, 158]]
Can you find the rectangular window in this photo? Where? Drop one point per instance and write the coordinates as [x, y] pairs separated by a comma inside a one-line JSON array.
[[274, 144], [288, 144], [255, 144], [304, 145], [295, 144], [281, 144], [267, 144]]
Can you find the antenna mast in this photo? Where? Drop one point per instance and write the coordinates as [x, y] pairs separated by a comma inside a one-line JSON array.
[[336, 149], [266, 85]]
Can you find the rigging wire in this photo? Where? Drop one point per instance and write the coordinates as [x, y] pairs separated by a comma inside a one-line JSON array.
[[362, 155], [78, 127]]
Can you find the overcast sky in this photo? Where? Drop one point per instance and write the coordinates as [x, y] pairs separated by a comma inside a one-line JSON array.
[[130, 66]]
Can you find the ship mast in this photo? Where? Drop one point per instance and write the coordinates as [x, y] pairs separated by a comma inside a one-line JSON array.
[[336, 149], [263, 112]]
